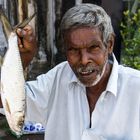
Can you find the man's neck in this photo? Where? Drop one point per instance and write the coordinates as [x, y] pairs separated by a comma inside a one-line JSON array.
[[94, 92]]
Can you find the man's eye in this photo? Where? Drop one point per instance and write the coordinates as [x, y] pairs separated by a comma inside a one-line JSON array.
[[73, 51], [94, 48]]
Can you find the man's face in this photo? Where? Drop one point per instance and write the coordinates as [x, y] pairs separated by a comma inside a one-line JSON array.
[[86, 54]]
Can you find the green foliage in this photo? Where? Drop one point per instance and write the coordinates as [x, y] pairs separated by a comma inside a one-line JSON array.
[[131, 39]]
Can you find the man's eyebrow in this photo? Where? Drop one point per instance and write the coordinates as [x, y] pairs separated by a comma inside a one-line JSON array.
[[94, 42]]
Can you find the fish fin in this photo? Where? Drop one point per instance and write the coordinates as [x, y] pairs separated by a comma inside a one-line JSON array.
[[6, 26], [25, 22]]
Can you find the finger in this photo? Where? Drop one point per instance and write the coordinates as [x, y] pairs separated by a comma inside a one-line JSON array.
[[24, 32], [22, 47], [19, 42], [28, 29], [26, 35], [28, 44], [26, 38], [21, 32]]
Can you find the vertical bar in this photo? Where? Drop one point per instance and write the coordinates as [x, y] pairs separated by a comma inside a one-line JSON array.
[[78, 2], [51, 29]]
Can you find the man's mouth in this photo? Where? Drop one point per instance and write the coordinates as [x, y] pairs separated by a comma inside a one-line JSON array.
[[86, 73]]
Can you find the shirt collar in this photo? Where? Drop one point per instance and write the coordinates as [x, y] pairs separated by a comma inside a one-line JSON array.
[[112, 82], [73, 78]]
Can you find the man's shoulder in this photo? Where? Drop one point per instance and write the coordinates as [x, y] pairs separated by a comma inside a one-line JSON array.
[[62, 69], [129, 72], [62, 66]]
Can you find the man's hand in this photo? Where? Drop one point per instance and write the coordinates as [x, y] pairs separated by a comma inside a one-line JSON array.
[[27, 44]]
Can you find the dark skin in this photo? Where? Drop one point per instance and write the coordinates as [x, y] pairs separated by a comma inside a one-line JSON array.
[[94, 92], [27, 46], [85, 50]]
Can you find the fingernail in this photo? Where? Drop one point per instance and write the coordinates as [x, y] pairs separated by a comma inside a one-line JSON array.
[[23, 32], [21, 46], [19, 30]]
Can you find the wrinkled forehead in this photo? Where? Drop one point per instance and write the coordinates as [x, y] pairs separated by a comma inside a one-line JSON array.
[[82, 36]]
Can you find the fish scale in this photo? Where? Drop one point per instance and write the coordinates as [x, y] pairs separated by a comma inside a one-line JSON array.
[[12, 86], [12, 77]]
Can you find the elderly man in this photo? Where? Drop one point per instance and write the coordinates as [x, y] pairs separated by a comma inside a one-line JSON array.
[[89, 96]]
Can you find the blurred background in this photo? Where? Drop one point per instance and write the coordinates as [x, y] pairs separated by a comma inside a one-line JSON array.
[[125, 16], [125, 20]]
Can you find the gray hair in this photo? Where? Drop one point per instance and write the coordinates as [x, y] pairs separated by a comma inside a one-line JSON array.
[[87, 15]]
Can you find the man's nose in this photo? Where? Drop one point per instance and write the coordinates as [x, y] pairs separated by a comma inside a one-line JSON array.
[[85, 57]]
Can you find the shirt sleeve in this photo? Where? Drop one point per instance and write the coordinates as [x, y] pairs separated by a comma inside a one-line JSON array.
[[37, 97]]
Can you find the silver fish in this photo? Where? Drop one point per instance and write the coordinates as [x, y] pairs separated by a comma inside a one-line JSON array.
[[12, 79]]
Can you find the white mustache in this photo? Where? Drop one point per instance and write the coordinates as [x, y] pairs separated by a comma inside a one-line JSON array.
[[86, 69]]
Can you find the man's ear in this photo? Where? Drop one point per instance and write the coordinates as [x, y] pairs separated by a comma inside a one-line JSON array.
[[110, 43]]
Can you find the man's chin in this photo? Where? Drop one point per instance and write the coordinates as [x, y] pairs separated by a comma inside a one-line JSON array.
[[87, 83], [91, 82]]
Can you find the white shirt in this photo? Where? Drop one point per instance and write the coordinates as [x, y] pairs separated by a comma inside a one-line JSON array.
[[58, 100]]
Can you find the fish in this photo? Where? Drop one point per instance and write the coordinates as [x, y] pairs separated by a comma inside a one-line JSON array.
[[12, 83]]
